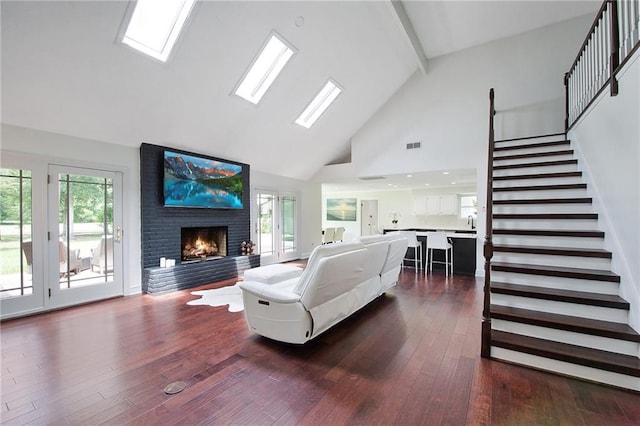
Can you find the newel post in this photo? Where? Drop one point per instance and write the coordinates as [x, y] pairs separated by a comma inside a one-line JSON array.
[[485, 350], [615, 47], [566, 102]]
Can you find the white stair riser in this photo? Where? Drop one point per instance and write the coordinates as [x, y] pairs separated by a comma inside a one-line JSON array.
[[533, 170], [565, 368], [516, 161], [536, 181], [570, 242], [542, 208], [591, 286], [539, 194], [551, 260], [529, 140], [549, 224], [569, 337], [561, 308]]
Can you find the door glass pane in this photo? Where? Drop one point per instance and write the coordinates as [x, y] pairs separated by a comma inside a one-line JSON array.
[[266, 235], [288, 224], [85, 248], [16, 247]]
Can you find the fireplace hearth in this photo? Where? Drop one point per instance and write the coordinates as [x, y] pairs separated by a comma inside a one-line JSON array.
[[203, 243]]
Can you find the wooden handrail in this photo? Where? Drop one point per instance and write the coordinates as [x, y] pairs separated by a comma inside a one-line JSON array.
[[485, 350], [610, 42]]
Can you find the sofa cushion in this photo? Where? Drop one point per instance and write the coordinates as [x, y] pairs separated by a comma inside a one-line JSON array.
[[333, 276], [271, 274], [319, 253]]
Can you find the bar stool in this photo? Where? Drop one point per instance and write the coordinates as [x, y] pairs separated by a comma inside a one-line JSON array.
[[439, 241], [416, 246]]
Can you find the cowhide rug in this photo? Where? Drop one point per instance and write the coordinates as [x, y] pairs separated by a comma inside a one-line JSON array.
[[229, 295]]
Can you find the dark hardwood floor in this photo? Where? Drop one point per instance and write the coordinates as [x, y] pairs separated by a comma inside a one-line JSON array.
[[410, 357]]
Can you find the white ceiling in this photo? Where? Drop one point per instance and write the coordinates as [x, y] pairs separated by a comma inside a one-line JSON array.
[[451, 180], [64, 71]]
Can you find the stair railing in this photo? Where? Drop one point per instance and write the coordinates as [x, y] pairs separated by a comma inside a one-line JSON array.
[[613, 38], [485, 350]]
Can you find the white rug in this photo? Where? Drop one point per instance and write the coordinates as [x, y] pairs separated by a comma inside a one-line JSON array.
[[229, 295]]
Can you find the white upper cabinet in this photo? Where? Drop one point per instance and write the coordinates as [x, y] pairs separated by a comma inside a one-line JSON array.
[[420, 204], [445, 204]]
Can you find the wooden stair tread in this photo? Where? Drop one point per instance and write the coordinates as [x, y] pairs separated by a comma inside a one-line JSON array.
[[533, 155], [609, 361], [530, 145], [545, 216], [561, 295], [557, 271], [541, 187], [614, 330], [540, 176], [536, 164], [557, 251], [550, 233], [545, 201]]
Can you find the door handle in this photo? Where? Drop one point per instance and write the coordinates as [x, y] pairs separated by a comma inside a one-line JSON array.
[[118, 234]]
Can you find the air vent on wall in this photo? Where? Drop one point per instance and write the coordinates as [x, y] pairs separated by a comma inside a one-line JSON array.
[[372, 178], [414, 145]]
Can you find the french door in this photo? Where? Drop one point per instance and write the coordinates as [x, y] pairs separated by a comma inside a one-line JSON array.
[[85, 235], [60, 235], [22, 241], [276, 226]]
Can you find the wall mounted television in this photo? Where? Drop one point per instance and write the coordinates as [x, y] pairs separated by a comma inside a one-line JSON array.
[[199, 182]]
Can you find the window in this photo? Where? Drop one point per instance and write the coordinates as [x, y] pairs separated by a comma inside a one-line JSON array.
[[468, 205], [319, 104], [265, 68], [155, 26], [16, 246]]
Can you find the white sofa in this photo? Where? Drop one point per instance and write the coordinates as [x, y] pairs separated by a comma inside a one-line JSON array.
[[339, 279]]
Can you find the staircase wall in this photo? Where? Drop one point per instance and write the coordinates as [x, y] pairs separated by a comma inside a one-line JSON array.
[[607, 143]]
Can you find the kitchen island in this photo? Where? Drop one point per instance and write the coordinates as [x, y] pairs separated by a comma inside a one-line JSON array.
[[464, 249]]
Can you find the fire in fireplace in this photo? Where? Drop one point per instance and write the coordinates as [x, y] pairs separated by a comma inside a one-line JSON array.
[[204, 243]]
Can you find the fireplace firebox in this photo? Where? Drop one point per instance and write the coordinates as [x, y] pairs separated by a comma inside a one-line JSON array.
[[203, 243]]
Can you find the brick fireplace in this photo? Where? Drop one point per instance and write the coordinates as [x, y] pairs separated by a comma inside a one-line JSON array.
[[162, 232], [203, 243]]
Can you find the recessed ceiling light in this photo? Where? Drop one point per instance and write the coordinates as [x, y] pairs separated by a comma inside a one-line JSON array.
[[154, 26], [427, 184], [453, 183], [409, 176], [265, 68], [319, 104], [445, 173]]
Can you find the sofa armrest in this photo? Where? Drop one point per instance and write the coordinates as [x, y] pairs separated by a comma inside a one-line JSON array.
[[268, 292]]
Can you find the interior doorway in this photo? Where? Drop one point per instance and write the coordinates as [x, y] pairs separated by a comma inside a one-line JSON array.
[[368, 217]]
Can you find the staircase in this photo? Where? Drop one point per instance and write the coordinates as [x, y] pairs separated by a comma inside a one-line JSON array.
[[554, 302]]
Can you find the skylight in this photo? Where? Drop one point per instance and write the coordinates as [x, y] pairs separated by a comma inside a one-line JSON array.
[[155, 25], [265, 68], [319, 104]]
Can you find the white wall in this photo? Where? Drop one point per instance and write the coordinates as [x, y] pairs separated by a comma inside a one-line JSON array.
[[448, 109], [309, 210], [607, 139], [45, 147]]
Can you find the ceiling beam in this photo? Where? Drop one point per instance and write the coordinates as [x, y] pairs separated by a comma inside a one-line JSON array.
[[409, 33]]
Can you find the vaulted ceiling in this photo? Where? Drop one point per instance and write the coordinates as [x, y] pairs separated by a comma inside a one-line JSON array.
[[65, 71]]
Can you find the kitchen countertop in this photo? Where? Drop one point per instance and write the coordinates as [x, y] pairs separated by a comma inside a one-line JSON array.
[[451, 232]]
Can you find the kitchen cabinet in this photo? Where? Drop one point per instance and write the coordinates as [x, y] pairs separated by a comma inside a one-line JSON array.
[[445, 204], [420, 204]]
